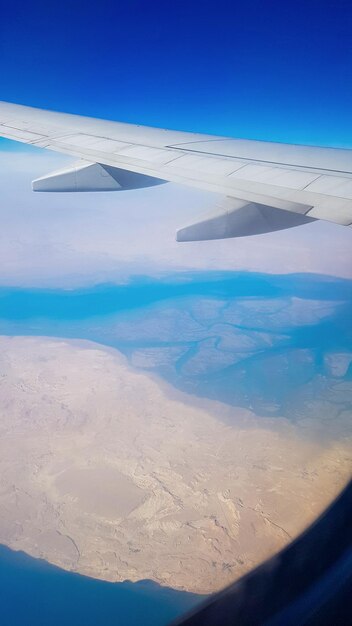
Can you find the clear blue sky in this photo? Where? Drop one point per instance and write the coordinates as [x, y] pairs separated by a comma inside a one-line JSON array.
[[257, 68]]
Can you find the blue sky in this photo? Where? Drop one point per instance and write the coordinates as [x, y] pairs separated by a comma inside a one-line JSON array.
[[264, 70], [257, 68]]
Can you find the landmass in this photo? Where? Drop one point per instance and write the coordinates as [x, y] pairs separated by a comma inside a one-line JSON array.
[[111, 472]]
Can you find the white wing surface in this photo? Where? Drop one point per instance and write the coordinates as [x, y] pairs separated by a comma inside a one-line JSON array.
[[265, 186]]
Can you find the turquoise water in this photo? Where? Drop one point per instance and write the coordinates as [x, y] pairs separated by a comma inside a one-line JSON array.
[[246, 339]]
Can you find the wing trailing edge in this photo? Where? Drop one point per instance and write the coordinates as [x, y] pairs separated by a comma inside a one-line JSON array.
[[265, 180]]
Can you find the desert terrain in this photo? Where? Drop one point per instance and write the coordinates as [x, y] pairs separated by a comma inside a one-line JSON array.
[[110, 472]]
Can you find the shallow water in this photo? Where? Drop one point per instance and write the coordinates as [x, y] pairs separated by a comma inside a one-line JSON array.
[[246, 339]]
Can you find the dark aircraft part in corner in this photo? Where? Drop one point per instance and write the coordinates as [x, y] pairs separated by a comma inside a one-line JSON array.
[[308, 583]]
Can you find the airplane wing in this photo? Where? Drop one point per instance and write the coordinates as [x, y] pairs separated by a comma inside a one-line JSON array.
[[264, 186]]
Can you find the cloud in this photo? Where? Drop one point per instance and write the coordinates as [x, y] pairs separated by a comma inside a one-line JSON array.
[[71, 239]]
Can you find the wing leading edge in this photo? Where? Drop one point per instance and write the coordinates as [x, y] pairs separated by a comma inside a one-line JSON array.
[[265, 186]]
